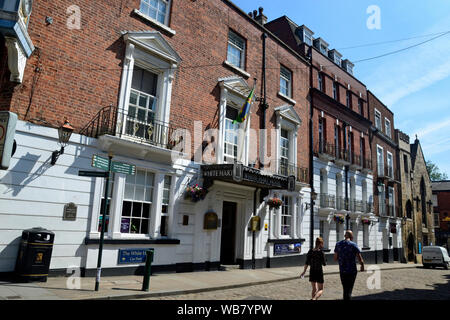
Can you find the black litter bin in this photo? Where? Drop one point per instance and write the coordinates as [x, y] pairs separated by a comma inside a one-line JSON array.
[[35, 253]]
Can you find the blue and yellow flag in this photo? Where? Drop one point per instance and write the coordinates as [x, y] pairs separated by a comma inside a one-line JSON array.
[[242, 115]]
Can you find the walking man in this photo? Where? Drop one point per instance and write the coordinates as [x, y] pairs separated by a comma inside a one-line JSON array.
[[345, 252]]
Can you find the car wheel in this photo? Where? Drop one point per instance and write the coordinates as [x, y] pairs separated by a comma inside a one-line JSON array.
[[426, 266], [446, 265]]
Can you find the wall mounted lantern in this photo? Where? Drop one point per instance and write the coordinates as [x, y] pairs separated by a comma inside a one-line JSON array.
[[64, 133]]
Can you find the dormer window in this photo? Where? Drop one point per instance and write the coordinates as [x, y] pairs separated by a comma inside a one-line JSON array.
[[321, 45], [306, 35], [348, 66], [335, 56]]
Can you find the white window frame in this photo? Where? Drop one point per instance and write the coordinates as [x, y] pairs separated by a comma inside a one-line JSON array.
[[230, 130], [287, 119], [145, 201], [286, 211], [286, 77], [232, 95], [233, 39], [149, 51], [146, 13], [382, 200], [166, 202], [380, 166], [390, 164], [378, 124], [387, 127], [307, 37]]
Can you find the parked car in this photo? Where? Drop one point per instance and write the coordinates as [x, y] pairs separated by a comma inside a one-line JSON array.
[[433, 256]]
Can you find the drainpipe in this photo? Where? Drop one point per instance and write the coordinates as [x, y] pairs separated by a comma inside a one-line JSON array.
[[263, 104], [347, 203], [311, 152]]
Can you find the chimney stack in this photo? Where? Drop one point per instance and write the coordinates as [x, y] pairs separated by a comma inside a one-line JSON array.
[[260, 17]]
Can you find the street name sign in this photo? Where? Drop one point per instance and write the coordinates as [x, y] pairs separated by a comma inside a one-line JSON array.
[[97, 174], [100, 162]]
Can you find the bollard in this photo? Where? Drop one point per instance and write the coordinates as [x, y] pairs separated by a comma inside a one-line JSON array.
[[147, 271]]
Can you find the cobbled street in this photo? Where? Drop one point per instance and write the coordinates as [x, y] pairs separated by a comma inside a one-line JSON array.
[[399, 284]]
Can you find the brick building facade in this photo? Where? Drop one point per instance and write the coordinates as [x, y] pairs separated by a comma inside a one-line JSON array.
[[441, 209], [340, 136], [386, 176], [157, 84], [134, 81]]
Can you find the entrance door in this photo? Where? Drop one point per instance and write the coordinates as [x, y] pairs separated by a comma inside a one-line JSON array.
[[228, 237]]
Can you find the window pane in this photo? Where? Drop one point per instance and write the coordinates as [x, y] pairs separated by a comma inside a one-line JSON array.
[[140, 177], [136, 209], [129, 192], [139, 193], [146, 207], [126, 208]]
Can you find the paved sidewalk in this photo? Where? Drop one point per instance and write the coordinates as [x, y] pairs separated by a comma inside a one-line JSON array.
[[129, 287]]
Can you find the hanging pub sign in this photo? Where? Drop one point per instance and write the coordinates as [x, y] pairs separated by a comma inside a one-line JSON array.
[[246, 176], [8, 121], [211, 221]]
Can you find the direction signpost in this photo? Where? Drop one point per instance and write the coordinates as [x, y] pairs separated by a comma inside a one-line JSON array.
[[108, 166]]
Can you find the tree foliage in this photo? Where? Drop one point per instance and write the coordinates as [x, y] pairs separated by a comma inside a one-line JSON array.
[[434, 172]]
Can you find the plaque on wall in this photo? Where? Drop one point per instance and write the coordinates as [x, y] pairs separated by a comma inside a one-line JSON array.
[[211, 221], [70, 212]]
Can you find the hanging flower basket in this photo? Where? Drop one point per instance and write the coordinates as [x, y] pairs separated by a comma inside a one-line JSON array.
[[365, 221], [339, 218], [195, 193], [274, 203]]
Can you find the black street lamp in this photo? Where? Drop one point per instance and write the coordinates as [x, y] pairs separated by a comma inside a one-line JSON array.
[[64, 133]]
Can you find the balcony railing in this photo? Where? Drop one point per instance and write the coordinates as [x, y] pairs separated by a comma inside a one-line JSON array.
[[135, 126], [289, 169], [340, 203], [323, 148], [368, 207], [327, 201], [367, 164], [356, 205]]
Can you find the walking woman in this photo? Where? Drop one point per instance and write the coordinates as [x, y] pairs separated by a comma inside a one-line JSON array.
[[315, 259]]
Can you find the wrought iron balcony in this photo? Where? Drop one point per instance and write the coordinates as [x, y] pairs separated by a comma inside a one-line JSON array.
[[289, 169], [134, 126], [368, 207], [367, 165], [325, 150], [341, 203], [327, 201], [356, 205], [343, 157]]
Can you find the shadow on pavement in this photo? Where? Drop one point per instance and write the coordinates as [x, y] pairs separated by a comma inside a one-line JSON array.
[[438, 291]]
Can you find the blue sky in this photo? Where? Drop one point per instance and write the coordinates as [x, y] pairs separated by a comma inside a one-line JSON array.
[[414, 83]]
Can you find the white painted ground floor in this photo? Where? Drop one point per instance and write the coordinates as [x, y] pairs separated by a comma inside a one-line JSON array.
[[150, 210]]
